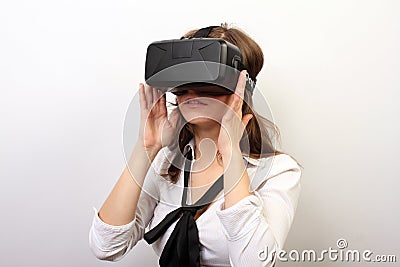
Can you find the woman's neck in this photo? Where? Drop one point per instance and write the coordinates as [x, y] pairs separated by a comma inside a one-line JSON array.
[[207, 138]]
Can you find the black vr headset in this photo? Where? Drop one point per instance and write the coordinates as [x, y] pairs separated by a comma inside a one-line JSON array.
[[196, 62]]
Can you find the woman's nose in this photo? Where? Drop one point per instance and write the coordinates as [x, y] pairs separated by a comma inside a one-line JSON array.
[[191, 92]]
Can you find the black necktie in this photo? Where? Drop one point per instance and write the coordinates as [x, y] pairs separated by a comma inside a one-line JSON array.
[[183, 248]]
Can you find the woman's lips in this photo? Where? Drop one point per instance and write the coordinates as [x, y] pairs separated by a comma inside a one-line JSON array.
[[194, 103]]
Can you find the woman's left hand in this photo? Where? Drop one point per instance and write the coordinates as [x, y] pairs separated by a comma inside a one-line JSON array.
[[233, 123]]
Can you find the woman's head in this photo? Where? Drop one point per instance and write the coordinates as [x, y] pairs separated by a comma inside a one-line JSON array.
[[257, 133], [252, 55]]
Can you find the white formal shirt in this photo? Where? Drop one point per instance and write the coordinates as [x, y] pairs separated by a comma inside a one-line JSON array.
[[239, 236]]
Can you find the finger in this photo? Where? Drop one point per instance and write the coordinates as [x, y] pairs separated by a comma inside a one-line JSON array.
[[162, 104], [241, 84], [231, 100], [155, 97], [239, 92], [159, 94], [231, 114], [174, 116], [149, 96], [234, 103], [142, 97], [246, 118]]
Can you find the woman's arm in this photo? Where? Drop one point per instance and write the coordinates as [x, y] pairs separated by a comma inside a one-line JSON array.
[[128, 209], [120, 206], [257, 225], [121, 222]]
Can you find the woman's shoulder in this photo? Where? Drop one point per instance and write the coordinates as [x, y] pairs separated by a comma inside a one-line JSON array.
[[278, 160], [268, 168]]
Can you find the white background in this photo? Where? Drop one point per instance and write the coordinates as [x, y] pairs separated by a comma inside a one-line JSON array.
[[69, 69]]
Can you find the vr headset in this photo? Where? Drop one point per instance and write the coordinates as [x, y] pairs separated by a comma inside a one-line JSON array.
[[204, 64]]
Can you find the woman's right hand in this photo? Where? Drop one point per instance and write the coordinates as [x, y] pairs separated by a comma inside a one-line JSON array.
[[156, 130]]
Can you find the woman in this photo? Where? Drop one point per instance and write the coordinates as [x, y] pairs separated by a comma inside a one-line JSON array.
[[244, 224]]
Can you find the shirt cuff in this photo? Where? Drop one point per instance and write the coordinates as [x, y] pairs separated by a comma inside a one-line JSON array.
[[105, 229], [240, 218], [109, 242]]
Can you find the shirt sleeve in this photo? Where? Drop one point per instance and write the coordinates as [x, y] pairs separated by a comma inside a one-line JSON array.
[[112, 243], [257, 226]]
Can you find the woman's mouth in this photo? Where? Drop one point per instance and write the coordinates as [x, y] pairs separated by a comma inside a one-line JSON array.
[[194, 103]]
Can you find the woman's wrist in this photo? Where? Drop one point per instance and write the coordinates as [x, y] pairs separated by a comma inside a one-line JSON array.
[[228, 153], [140, 150], [236, 179]]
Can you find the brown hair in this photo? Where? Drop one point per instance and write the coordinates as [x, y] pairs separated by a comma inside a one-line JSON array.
[[260, 131]]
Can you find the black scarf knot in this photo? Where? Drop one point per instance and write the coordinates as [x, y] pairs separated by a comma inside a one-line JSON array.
[[190, 209]]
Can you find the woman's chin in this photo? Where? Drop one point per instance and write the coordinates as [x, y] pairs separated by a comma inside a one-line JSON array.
[[199, 121]]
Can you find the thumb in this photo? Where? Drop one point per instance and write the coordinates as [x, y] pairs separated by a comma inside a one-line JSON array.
[[174, 116], [246, 118]]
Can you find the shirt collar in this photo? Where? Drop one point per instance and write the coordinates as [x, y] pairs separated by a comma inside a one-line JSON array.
[[252, 161], [190, 145]]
